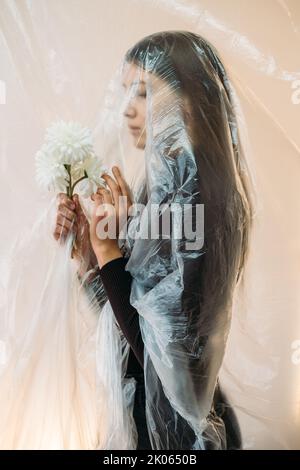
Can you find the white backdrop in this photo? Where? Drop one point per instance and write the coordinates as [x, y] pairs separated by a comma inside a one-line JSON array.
[[57, 57]]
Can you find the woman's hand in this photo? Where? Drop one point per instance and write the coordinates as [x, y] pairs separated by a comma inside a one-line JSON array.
[[71, 218], [111, 210]]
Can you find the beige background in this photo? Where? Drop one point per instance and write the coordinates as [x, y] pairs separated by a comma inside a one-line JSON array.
[[57, 57]]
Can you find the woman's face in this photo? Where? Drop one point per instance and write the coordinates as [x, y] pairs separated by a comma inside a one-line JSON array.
[[163, 98], [134, 82]]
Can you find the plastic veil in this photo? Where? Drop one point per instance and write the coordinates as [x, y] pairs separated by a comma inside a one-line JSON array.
[[170, 245], [63, 376], [220, 331]]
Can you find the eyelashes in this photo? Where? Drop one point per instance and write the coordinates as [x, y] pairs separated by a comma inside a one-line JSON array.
[[137, 94]]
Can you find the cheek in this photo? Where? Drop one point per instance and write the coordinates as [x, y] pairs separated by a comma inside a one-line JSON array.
[[141, 108]]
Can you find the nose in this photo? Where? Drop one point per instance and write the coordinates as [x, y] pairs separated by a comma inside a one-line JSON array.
[[130, 111]]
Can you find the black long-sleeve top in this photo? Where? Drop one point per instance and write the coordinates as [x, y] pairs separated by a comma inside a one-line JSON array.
[[117, 284]]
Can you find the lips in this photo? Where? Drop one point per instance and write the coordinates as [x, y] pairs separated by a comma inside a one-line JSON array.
[[134, 130]]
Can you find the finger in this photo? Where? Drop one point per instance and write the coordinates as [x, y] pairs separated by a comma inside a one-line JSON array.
[[97, 198], [114, 187], [124, 187], [98, 212], [64, 199], [99, 209], [106, 196], [93, 196], [60, 233], [56, 234], [75, 253], [61, 220], [65, 212], [81, 217], [63, 231], [78, 207], [100, 205]]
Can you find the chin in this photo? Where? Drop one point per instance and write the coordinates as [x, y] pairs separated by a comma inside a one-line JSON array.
[[140, 144]]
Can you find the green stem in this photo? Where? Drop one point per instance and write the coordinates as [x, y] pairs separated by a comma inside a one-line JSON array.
[[80, 179], [70, 194], [69, 187]]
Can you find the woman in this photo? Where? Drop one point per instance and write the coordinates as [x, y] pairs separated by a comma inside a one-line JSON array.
[[175, 310]]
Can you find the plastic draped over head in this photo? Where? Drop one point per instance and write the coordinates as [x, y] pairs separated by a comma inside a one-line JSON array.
[[186, 241], [63, 374]]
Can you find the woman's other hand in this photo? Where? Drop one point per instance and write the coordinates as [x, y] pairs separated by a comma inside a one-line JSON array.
[[111, 210], [71, 218]]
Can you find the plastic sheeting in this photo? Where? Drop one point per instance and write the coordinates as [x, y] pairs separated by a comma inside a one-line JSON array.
[[55, 64]]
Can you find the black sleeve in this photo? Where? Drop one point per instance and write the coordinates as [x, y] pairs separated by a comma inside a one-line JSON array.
[[117, 284]]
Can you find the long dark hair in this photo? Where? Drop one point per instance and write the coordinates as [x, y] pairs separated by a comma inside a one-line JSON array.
[[223, 173]]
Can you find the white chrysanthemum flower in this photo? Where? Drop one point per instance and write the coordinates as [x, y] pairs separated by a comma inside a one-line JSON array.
[[87, 187], [67, 158], [49, 173], [93, 168], [69, 142]]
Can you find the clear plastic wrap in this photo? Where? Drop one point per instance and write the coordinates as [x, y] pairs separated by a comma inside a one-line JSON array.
[[184, 277], [63, 377]]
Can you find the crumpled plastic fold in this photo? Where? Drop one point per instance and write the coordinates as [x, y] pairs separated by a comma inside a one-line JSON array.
[[219, 367]]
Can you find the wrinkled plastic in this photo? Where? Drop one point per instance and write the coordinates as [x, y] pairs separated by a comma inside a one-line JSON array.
[[184, 317], [80, 397]]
